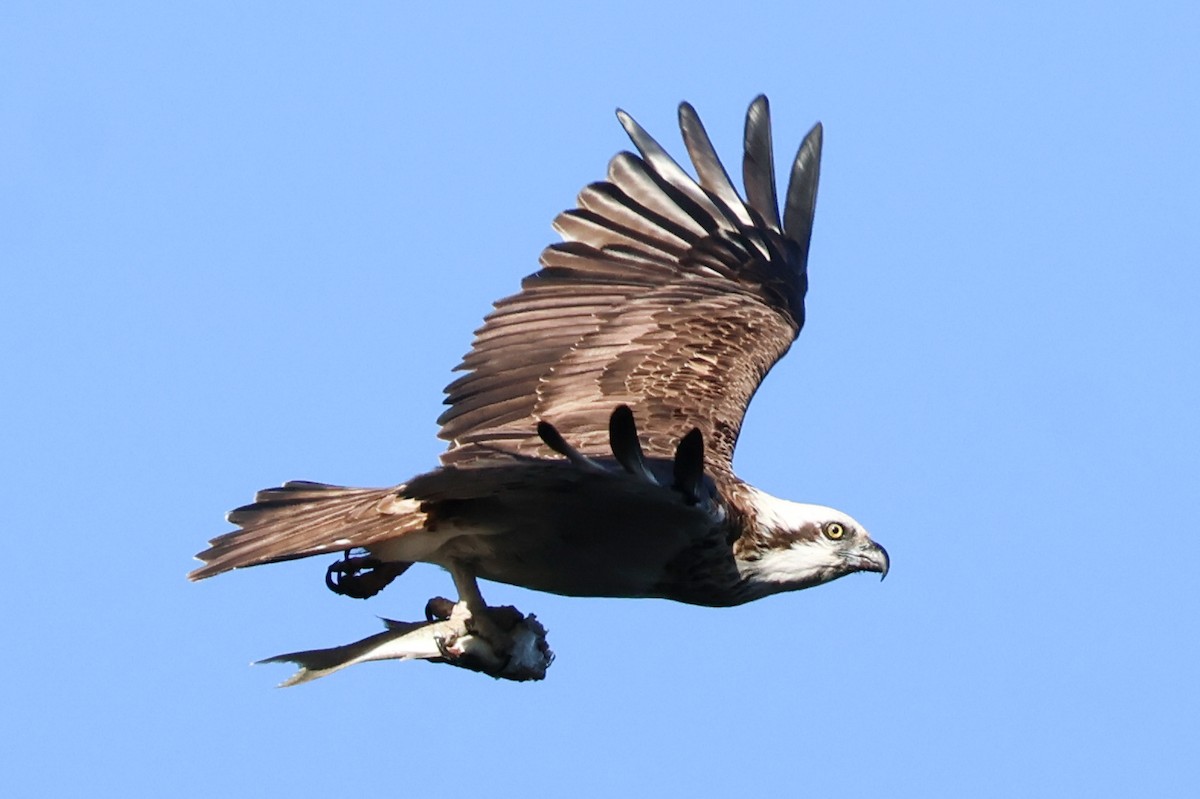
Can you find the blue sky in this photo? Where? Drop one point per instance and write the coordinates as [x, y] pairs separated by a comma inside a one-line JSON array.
[[244, 243]]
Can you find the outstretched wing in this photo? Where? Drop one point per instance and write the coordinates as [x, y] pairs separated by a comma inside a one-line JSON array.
[[670, 295]]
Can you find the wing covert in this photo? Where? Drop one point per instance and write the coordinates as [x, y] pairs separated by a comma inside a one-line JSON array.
[[670, 294]]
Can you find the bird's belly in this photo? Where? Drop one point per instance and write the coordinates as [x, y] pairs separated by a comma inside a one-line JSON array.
[[621, 550], [578, 533], [602, 565]]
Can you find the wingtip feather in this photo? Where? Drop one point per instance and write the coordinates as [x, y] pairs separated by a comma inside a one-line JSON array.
[[758, 163], [801, 204]]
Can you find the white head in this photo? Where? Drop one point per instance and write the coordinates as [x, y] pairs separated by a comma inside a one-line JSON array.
[[797, 545]]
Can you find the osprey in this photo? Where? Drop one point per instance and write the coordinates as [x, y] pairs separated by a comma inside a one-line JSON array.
[[666, 304]]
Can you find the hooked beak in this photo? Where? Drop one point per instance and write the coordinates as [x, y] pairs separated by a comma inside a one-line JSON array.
[[874, 558]]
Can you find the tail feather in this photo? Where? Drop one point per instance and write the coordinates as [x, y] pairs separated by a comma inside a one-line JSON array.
[[300, 518]]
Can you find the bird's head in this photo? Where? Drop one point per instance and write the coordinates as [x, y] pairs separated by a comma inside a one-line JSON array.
[[797, 545]]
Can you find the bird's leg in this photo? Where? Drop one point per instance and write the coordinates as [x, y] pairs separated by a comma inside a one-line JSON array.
[[482, 623]]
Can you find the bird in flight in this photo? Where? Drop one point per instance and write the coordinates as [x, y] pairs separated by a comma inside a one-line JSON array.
[[592, 431]]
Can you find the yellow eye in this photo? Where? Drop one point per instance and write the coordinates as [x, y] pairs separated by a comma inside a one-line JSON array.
[[834, 530]]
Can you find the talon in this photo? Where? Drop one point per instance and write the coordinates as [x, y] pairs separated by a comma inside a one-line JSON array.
[[470, 660], [444, 648], [360, 577], [438, 609]]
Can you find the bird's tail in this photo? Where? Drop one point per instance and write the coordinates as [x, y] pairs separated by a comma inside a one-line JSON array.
[[300, 518]]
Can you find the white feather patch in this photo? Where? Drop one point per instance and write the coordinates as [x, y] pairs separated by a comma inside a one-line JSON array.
[[802, 562]]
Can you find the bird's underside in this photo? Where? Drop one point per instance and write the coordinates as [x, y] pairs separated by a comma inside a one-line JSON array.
[[668, 301], [623, 526], [567, 524]]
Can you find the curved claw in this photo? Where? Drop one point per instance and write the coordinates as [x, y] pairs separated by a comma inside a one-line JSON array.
[[361, 577], [438, 609]]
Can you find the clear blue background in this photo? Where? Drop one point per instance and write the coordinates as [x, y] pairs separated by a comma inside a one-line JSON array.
[[244, 243]]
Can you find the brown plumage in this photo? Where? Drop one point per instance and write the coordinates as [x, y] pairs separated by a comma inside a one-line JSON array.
[[666, 305], [671, 297]]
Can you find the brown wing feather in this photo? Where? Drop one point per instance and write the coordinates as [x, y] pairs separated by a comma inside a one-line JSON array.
[[670, 296]]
